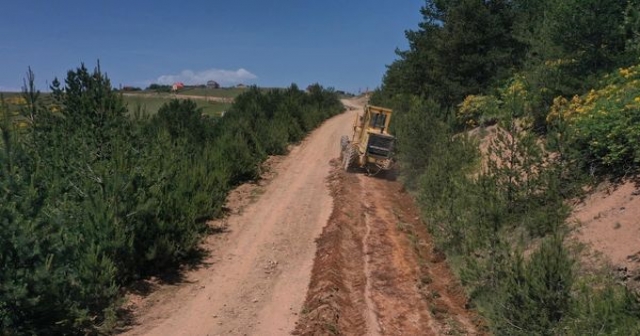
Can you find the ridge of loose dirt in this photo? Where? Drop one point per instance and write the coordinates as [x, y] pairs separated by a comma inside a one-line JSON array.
[[375, 271]]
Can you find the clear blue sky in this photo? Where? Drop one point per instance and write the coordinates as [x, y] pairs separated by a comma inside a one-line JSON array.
[[342, 44]]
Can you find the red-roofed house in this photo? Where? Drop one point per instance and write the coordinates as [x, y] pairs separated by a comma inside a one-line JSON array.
[[177, 86]]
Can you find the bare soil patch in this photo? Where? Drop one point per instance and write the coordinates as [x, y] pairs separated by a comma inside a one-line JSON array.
[[608, 222]]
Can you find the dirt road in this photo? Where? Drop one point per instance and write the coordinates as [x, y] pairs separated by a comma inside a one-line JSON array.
[[369, 276], [257, 278]]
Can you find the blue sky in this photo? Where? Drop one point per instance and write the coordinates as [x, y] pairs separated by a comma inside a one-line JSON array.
[[341, 44]]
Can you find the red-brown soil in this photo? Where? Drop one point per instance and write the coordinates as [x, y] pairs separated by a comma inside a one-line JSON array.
[[376, 271]]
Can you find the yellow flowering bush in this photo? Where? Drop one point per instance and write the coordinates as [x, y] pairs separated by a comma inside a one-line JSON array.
[[477, 110], [515, 89], [605, 123], [556, 63], [516, 98], [570, 109], [54, 108], [16, 101], [512, 99]]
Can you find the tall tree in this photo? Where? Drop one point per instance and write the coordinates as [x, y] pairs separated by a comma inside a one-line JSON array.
[[589, 31], [461, 47]]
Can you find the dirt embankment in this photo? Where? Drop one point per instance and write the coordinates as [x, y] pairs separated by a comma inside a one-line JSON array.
[[608, 222]]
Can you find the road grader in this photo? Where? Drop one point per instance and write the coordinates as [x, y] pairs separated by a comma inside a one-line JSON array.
[[371, 145]]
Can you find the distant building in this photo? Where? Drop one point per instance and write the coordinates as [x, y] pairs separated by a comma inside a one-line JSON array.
[[241, 86], [177, 86], [213, 85]]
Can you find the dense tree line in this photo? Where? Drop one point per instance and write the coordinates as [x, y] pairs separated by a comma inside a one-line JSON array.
[[158, 88], [555, 85], [470, 47], [93, 198]]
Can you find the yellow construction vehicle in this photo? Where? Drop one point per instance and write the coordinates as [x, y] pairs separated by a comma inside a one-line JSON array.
[[371, 146]]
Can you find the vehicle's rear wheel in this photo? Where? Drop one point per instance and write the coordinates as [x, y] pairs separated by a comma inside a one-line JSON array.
[[373, 169], [344, 142], [348, 157]]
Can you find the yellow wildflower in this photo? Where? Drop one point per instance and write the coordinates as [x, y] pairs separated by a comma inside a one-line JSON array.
[[591, 97], [625, 72], [16, 100]]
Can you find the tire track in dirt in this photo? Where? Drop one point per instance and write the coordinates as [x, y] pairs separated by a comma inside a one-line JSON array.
[[376, 271], [373, 325], [411, 273], [395, 276]]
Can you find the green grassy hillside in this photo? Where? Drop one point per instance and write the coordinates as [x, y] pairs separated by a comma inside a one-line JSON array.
[[151, 104]]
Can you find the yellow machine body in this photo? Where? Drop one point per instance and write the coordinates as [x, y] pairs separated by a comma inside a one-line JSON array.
[[371, 145]]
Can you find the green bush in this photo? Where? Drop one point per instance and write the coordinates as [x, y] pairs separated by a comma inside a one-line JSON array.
[[536, 293], [93, 199], [477, 111], [609, 310], [483, 213], [517, 70]]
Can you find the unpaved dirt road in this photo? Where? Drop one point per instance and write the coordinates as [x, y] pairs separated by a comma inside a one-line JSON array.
[[374, 271], [257, 278]]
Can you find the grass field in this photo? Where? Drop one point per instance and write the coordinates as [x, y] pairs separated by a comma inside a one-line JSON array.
[[12, 101], [204, 92], [148, 104], [151, 105]]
